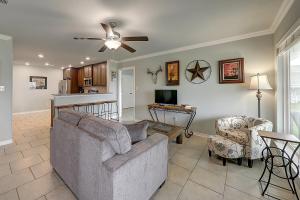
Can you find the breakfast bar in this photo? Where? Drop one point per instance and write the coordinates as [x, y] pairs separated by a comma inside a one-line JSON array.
[[100, 104]]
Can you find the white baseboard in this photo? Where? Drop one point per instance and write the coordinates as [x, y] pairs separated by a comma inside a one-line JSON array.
[[5, 142], [31, 112]]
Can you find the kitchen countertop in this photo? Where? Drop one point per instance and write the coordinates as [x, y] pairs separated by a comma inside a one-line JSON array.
[[77, 94]]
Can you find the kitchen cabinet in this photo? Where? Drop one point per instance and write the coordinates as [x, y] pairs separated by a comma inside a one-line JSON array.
[[81, 77], [88, 71], [100, 74]]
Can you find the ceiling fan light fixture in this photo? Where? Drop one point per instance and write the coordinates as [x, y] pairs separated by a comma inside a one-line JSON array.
[[112, 44]]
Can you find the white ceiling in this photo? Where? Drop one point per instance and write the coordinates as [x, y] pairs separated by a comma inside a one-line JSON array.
[[48, 26]]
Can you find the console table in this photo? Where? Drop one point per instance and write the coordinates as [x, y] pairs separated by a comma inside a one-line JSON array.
[[153, 108], [277, 159]]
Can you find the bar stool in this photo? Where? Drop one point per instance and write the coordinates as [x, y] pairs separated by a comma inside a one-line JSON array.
[[111, 112]]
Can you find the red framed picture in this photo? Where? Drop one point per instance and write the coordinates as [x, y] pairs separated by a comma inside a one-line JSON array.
[[231, 71]]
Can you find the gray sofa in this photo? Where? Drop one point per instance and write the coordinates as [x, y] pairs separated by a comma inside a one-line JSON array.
[[97, 161]]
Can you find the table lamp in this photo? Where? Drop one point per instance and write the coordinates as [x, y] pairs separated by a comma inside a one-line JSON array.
[[259, 82]]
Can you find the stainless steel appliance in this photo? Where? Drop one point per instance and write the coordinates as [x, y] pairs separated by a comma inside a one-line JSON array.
[[87, 82], [64, 87]]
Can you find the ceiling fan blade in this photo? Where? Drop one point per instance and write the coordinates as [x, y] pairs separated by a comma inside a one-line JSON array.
[[3, 1], [108, 30], [82, 38], [103, 48], [128, 48], [135, 38]]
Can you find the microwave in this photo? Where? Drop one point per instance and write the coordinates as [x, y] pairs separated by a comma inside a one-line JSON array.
[[87, 82]]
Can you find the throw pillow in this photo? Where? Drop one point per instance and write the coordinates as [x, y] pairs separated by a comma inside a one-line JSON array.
[[137, 131]]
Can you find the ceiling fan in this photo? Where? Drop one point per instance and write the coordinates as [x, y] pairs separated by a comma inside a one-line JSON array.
[[3, 1], [113, 39]]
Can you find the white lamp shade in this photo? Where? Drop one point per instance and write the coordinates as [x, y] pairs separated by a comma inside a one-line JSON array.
[[260, 82]]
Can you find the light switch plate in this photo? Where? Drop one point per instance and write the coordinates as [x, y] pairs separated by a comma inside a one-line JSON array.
[[2, 88]]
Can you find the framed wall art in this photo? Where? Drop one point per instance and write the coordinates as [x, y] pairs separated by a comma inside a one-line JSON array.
[[172, 72], [40, 82], [231, 71]]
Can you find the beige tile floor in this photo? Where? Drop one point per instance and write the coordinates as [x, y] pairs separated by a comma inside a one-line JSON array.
[[26, 173]]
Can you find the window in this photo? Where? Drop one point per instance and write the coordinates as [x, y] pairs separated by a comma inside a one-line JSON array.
[[294, 90]]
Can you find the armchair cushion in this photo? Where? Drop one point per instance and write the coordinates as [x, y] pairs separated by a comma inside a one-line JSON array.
[[235, 135]]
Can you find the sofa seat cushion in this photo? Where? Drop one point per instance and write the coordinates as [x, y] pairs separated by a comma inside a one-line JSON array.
[[137, 131], [114, 132], [235, 135], [71, 116]]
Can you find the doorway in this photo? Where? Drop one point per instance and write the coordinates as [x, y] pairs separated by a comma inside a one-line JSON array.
[[127, 94]]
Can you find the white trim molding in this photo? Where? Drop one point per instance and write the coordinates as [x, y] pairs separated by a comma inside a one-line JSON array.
[[5, 142], [31, 112], [283, 10]]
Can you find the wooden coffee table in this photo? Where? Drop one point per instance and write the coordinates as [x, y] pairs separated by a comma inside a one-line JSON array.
[[173, 132]]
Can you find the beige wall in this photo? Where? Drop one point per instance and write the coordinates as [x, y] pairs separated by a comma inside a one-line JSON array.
[[213, 100], [27, 100]]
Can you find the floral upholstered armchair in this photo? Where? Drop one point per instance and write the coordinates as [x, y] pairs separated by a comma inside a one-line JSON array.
[[244, 130]]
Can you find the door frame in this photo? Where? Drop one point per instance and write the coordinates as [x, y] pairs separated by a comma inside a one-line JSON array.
[[120, 89]]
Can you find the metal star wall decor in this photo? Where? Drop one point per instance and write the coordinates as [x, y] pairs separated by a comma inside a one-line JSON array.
[[198, 71]]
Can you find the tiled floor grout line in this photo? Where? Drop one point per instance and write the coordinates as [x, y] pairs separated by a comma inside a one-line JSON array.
[[189, 177], [17, 193]]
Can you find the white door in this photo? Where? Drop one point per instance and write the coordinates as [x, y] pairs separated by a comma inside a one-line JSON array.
[[127, 89]]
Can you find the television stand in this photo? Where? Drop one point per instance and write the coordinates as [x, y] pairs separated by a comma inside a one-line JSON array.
[[153, 108]]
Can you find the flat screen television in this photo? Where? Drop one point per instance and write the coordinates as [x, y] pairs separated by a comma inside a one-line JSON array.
[[166, 96]]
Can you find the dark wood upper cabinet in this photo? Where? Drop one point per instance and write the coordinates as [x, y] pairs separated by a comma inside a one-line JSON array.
[[74, 80], [99, 74], [81, 77], [88, 71]]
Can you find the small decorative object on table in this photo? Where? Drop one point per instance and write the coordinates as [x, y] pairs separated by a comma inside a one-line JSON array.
[[172, 72], [278, 158], [198, 71], [231, 71]]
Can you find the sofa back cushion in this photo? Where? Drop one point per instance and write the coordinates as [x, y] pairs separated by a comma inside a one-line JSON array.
[[114, 132], [71, 116]]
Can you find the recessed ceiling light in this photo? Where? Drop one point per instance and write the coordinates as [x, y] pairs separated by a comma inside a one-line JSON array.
[[27, 63], [47, 64], [41, 55], [87, 58], [62, 68], [81, 62], [70, 66]]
